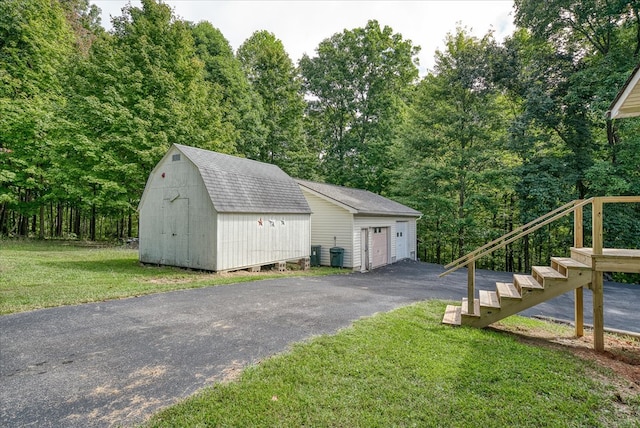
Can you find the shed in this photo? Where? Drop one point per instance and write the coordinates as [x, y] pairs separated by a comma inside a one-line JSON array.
[[372, 230], [207, 210]]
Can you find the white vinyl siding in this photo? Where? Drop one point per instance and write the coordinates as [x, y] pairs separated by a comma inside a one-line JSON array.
[[329, 220], [412, 237]]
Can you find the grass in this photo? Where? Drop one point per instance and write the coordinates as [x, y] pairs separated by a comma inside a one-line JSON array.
[[41, 274], [404, 368]]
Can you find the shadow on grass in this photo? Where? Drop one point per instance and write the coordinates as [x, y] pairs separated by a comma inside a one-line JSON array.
[[120, 265], [35, 245]]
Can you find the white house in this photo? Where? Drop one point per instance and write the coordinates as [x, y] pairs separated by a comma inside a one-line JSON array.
[[372, 230], [211, 211]]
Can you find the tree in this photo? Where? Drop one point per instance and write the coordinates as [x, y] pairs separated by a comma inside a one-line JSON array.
[[35, 44], [586, 52], [357, 86], [241, 107], [273, 77], [455, 166], [141, 89]]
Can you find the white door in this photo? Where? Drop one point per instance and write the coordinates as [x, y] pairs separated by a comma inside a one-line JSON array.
[[364, 250], [380, 243], [402, 243], [176, 232]]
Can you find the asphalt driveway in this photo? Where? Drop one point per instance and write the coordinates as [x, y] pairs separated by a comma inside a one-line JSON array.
[[117, 362]]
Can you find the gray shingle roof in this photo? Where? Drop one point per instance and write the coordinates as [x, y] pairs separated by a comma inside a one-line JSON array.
[[246, 186], [362, 201]]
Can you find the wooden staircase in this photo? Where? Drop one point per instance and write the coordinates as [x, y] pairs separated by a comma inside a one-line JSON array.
[[544, 283]]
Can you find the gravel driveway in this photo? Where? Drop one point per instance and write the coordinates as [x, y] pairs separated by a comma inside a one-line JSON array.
[[117, 362]]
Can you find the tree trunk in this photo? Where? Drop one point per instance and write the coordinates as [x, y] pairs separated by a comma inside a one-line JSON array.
[[3, 217], [59, 215], [77, 222], [130, 225]]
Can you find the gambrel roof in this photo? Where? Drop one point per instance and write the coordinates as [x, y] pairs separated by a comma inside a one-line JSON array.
[[239, 185], [627, 102], [358, 201]]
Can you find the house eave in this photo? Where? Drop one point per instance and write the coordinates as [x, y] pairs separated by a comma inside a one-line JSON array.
[[627, 101]]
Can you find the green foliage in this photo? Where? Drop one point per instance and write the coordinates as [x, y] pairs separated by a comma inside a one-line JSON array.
[[453, 143], [494, 136], [35, 44], [273, 77], [241, 108], [357, 86], [141, 89]]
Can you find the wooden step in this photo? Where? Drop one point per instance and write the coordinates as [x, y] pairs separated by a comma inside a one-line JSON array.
[[547, 272], [506, 290], [489, 299], [567, 266], [547, 275], [569, 262], [452, 315], [465, 307], [526, 281]]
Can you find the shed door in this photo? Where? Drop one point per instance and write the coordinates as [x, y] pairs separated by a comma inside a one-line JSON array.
[[176, 232], [402, 249], [380, 242]]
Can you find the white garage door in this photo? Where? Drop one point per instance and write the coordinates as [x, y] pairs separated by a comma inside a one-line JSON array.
[[380, 243]]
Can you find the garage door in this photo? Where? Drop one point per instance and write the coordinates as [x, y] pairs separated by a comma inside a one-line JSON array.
[[380, 243]]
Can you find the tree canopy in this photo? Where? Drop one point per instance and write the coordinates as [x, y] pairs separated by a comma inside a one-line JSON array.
[[498, 133]]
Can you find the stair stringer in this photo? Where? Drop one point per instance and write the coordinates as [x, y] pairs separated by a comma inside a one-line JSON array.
[[543, 285], [513, 306]]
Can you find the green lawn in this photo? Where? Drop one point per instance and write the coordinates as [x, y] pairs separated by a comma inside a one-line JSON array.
[[40, 274], [404, 368]]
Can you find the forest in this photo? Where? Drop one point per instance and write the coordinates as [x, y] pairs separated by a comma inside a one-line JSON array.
[[495, 135]]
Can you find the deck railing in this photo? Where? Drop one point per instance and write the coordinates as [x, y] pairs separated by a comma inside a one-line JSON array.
[[576, 207]]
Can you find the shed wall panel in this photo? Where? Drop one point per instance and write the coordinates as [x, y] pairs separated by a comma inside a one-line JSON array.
[[328, 221], [246, 240]]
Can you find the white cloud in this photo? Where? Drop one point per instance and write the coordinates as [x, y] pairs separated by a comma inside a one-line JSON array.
[[302, 25]]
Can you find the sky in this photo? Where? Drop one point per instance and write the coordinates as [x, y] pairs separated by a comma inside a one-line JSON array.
[[301, 25]]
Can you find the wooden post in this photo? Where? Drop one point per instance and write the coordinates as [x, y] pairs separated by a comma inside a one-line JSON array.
[[597, 278], [598, 310], [578, 295], [578, 235], [597, 226], [578, 242], [471, 286]]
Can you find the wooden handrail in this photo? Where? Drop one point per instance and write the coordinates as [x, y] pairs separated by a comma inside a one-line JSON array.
[[522, 231], [518, 230]]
